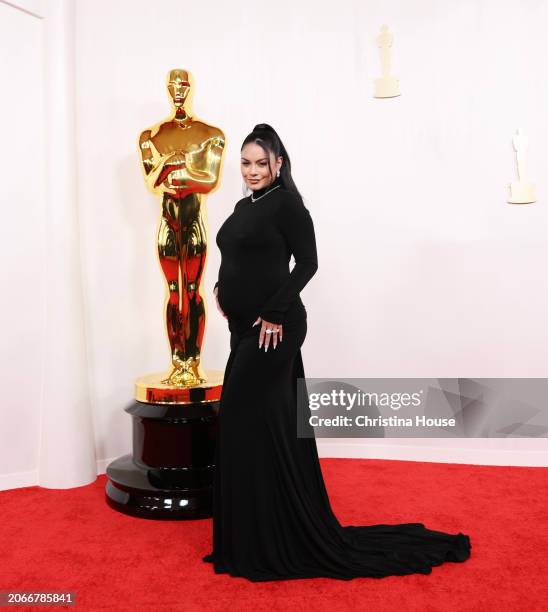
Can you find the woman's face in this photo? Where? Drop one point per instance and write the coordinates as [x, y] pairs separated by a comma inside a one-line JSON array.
[[258, 168]]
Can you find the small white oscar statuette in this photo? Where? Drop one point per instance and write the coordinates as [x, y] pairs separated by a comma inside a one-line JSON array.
[[386, 86], [522, 191]]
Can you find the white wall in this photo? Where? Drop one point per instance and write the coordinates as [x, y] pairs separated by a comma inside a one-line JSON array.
[[424, 270], [22, 240], [47, 423]]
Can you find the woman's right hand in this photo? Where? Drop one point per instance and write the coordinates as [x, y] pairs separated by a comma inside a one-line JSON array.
[[216, 291]]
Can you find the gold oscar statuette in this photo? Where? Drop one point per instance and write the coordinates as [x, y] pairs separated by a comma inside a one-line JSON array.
[[169, 473], [181, 161], [387, 85], [522, 191]]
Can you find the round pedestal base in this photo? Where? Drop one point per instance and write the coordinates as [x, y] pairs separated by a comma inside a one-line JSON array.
[[170, 473], [130, 490]]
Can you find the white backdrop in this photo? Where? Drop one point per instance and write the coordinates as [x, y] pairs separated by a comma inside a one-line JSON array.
[[424, 270], [22, 242]]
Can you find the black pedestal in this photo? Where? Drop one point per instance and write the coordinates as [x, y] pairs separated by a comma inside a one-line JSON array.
[[170, 474]]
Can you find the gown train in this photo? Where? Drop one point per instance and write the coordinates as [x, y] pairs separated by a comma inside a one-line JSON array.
[[272, 519]]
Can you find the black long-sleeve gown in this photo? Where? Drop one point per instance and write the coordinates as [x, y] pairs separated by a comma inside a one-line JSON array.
[[272, 519]]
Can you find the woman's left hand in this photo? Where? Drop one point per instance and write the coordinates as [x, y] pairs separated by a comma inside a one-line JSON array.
[[267, 330]]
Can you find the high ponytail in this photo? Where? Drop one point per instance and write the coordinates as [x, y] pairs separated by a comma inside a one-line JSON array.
[[266, 137]]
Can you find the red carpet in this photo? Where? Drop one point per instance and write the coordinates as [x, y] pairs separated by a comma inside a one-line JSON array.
[[116, 562]]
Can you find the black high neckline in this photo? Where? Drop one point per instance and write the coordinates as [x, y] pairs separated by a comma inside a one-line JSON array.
[[259, 192]]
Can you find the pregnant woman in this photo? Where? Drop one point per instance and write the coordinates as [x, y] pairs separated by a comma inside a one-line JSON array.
[[272, 519]]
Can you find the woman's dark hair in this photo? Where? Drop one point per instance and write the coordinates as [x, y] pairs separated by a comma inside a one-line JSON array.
[[266, 137]]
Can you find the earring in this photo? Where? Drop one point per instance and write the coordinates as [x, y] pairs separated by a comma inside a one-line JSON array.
[[278, 173]]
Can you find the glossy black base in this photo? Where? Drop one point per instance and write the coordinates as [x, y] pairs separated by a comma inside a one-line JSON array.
[[170, 473]]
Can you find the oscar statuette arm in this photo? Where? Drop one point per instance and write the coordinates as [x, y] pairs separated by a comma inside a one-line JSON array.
[[151, 160], [202, 166], [198, 170]]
